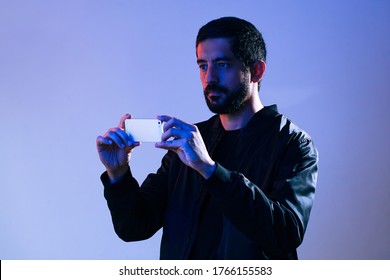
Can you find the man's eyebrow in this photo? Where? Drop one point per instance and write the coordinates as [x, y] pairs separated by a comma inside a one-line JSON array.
[[217, 59]]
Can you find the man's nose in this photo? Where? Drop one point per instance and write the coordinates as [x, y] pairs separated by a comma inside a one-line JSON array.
[[212, 75]]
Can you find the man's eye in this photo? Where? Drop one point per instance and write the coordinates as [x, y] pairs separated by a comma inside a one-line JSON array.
[[203, 66], [222, 65]]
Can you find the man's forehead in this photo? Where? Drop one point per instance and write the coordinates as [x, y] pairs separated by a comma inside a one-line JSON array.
[[214, 47]]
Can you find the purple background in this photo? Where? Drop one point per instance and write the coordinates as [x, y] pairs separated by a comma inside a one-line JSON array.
[[70, 69]]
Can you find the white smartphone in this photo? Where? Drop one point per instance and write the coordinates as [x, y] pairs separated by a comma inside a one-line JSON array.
[[144, 130]]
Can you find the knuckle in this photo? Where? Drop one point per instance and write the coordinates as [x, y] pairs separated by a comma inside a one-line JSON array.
[[113, 129]]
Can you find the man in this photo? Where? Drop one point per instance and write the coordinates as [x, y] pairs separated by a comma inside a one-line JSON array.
[[237, 186]]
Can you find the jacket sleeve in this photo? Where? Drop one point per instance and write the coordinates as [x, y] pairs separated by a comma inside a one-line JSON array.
[[276, 220], [137, 212]]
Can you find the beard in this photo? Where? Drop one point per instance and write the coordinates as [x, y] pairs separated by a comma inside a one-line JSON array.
[[229, 101]]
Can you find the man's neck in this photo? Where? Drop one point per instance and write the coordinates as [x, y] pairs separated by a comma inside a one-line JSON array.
[[240, 118]]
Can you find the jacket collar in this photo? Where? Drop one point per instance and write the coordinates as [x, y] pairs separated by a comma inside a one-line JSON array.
[[259, 119]]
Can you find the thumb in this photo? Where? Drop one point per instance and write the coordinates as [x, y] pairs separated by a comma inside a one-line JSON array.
[[122, 120]]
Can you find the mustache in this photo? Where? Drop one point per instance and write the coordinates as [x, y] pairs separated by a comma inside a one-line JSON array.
[[210, 88]]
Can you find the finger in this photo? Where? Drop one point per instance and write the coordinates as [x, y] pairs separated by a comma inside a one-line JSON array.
[[164, 118], [176, 134], [100, 140], [170, 145], [119, 137], [126, 138], [174, 122], [122, 120]]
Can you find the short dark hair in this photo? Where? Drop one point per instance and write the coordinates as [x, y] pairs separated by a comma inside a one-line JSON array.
[[246, 41]]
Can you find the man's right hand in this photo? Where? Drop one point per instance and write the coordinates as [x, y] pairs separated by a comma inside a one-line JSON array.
[[114, 148]]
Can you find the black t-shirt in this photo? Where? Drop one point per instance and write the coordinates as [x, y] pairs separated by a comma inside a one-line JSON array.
[[209, 230]]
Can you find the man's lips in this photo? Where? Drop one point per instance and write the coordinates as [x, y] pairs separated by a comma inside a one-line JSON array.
[[213, 92], [214, 95]]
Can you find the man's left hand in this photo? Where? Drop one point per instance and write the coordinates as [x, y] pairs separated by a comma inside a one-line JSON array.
[[186, 141]]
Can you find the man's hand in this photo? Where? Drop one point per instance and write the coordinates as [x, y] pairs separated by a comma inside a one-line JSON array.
[[186, 141], [114, 148]]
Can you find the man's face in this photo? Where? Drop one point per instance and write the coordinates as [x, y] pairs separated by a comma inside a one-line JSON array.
[[224, 79]]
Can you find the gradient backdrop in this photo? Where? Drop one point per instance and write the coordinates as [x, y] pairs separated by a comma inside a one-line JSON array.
[[70, 69]]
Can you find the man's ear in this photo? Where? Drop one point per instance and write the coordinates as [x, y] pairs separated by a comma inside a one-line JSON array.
[[257, 71]]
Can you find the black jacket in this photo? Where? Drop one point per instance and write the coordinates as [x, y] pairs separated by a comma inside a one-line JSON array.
[[265, 199]]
